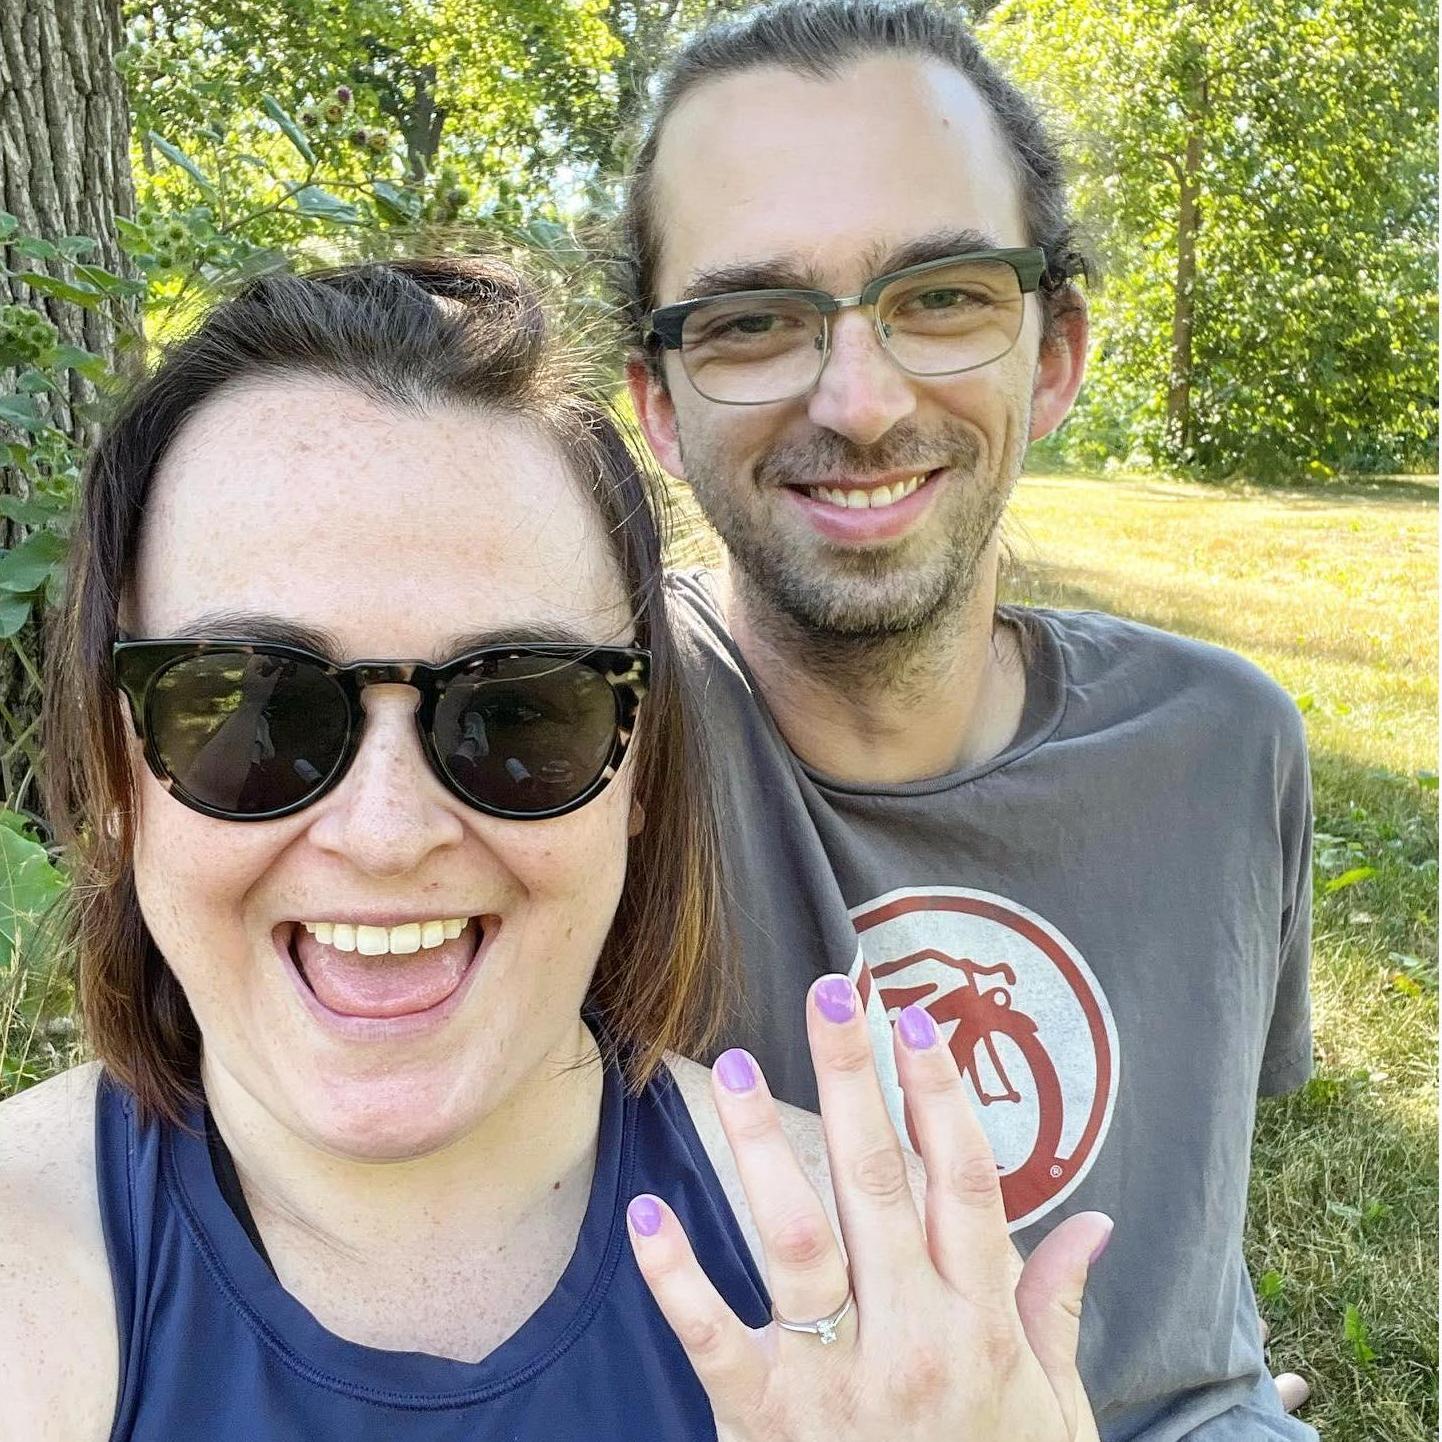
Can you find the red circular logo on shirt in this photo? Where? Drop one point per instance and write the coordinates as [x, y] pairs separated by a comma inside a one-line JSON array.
[[1024, 1016]]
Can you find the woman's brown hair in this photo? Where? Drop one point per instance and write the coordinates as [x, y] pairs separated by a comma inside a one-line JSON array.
[[408, 334]]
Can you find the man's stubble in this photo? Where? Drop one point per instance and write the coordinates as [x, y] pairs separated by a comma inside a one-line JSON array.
[[869, 616]]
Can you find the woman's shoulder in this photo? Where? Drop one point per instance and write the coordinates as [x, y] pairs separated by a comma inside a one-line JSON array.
[[58, 1371]]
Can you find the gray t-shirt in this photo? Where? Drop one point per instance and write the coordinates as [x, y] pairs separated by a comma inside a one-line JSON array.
[[1110, 922]]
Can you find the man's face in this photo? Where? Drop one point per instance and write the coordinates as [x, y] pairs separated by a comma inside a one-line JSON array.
[[775, 180]]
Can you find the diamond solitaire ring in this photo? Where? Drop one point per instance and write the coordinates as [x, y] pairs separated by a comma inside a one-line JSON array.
[[823, 1327]]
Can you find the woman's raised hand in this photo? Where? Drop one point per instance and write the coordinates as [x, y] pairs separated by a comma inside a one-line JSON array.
[[949, 1335]]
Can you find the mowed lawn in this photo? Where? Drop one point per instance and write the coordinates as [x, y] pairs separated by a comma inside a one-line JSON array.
[[1333, 591]]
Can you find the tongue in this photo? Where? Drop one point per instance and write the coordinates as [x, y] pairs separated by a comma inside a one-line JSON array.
[[356, 985]]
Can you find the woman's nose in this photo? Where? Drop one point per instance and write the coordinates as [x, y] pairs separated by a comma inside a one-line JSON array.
[[389, 812]]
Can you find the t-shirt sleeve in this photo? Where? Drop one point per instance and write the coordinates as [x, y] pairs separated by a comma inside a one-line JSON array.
[[1287, 1059]]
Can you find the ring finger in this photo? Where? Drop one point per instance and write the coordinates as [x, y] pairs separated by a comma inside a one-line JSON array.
[[805, 1270]]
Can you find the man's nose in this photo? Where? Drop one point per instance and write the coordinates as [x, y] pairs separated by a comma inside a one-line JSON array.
[[862, 393], [389, 812]]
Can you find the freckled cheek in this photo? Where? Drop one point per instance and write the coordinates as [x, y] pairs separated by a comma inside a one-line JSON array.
[[193, 875]]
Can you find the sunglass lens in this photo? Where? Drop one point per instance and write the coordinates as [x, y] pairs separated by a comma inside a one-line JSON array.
[[247, 734], [526, 734]]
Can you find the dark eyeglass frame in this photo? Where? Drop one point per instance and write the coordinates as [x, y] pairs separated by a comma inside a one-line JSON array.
[[139, 664], [666, 323]]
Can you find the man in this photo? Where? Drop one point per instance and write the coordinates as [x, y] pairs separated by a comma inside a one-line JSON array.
[[1082, 844]]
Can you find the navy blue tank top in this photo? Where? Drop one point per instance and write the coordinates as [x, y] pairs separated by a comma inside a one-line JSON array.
[[214, 1349]]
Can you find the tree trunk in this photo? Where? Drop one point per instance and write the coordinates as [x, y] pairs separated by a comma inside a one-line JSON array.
[[1184, 303], [64, 171], [65, 156]]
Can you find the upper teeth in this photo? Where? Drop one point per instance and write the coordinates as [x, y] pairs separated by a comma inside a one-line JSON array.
[[874, 497], [380, 940]]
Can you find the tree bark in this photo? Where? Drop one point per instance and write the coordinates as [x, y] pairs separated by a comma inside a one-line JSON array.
[[1184, 303], [65, 157], [64, 171]]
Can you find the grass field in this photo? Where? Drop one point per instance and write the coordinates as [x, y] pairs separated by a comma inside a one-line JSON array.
[[1333, 591]]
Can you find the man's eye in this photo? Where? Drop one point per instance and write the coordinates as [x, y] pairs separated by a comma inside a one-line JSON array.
[[946, 299], [758, 322]]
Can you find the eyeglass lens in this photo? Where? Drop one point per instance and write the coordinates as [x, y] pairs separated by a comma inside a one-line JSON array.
[[250, 734], [954, 318]]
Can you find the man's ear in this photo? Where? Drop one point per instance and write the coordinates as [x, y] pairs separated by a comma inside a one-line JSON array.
[[1060, 367], [656, 415]]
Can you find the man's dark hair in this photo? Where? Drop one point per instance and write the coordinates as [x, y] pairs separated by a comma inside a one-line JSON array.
[[818, 38]]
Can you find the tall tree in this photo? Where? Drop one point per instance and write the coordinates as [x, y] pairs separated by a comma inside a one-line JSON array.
[[1259, 180], [65, 158]]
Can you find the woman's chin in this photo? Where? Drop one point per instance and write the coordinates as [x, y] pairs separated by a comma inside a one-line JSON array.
[[389, 1119]]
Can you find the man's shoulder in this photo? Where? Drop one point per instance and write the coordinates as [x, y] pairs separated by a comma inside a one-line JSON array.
[[1151, 668]]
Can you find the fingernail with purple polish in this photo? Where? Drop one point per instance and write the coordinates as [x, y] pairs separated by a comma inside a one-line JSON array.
[[917, 1029], [736, 1070], [644, 1214], [836, 998], [1101, 1245]]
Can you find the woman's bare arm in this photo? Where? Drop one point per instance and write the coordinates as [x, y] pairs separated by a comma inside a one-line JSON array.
[[59, 1352]]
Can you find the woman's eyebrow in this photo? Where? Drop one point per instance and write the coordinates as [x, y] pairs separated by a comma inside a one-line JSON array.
[[260, 626], [523, 632]]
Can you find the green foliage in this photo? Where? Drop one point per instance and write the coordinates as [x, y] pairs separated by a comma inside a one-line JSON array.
[[1315, 331]]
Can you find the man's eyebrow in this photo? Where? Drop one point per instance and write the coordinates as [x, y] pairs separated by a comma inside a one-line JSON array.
[[788, 272], [938, 245], [780, 273]]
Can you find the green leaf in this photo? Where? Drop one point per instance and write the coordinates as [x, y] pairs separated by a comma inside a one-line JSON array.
[[8, 225], [293, 132], [1349, 878], [14, 613], [1306, 702], [72, 247], [395, 201], [29, 885], [34, 511], [1427, 780], [1354, 1329], [109, 282], [322, 205], [135, 237], [76, 358], [21, 412], [86, 295], [1269, 1287], [180, 158], [35, 248], [28, 566]]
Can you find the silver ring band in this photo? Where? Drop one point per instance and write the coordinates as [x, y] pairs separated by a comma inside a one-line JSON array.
[[823, 1327]]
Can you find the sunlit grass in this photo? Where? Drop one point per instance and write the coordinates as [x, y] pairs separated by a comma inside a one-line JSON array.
[[1333, 592]]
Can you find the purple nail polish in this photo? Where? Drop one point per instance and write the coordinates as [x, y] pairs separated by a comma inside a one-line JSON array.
[[1101, 1246], [736, 1070], [644, 1214], [835, 998], [917, 1029]]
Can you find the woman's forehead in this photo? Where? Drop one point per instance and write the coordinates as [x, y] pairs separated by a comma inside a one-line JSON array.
[[380, 524]]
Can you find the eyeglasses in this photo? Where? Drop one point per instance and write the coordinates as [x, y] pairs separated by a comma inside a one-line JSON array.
[[754, 347], [249, 731]]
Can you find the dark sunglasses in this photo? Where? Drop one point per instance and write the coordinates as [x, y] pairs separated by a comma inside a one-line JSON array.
[[250, 731]]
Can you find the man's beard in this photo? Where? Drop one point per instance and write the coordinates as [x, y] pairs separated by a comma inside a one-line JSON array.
[[857, 597]]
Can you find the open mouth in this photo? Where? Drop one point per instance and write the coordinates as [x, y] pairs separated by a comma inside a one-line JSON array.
[[357, 970]]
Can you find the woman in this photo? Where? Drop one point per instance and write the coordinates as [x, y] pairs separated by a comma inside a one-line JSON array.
[[385, 960]]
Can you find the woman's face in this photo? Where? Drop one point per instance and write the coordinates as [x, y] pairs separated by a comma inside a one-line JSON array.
[[300, 502]]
